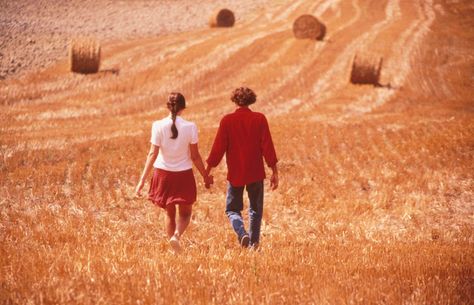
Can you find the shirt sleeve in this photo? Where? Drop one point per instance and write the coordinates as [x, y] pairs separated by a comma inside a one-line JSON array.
[[155, 135], [268, 149], [194, 134], [219, 147]]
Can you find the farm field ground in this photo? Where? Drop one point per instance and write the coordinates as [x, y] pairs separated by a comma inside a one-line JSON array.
[[376, 198]]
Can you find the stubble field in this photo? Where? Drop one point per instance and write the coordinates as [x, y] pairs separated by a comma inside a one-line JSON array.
[[376, 198]]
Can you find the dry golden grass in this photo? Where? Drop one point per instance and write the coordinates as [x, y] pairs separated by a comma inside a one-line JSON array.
[[374, 207], [354, 229]]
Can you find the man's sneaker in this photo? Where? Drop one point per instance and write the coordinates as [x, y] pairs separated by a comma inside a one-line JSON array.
[[244, 241], [254, 246]]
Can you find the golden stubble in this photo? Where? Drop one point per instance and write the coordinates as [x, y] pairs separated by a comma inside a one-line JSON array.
[[373, 207]]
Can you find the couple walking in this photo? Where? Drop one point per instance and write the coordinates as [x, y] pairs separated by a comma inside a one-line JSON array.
[[243, 136]]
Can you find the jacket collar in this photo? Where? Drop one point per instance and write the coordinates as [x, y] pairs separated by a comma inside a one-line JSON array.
[[243, 109]]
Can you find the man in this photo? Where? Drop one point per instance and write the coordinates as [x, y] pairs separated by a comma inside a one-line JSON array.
[[244, 137]]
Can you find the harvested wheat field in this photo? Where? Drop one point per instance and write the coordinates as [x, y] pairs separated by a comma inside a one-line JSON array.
[[376, 196]]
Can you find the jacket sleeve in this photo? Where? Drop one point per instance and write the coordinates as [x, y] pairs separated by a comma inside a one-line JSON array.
[[268, 150], [219, 147]]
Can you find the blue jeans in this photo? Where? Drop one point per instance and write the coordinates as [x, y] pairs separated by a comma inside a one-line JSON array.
[[235, 205]]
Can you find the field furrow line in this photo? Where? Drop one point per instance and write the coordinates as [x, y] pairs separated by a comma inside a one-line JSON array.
[[219, 56], [56, 89], [170, 46], [398, 67], [211, 61], [295, 73], [252, 72], [185, 77], [174, 51], [331, 81]]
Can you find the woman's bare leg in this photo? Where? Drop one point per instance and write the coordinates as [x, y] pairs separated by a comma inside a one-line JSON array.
[[170, 220], [184, 218]]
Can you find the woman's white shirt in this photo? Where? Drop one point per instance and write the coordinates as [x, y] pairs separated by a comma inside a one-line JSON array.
[[174, 154]]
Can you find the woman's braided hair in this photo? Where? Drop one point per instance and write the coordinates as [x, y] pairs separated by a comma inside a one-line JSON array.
[[243, 96], [176, 102]]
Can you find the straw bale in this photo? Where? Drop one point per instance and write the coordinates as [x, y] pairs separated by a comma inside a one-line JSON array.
[[366, 69], [309, 27], [222, 18], [84, 55]]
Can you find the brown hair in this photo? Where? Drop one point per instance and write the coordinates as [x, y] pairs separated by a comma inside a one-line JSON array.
[[243, 96], [176, 102]]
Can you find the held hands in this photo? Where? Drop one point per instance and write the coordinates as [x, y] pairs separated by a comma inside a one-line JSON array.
[[208, 181], [208, 178]]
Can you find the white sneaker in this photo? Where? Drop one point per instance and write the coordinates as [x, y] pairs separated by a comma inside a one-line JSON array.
[[174, 242]]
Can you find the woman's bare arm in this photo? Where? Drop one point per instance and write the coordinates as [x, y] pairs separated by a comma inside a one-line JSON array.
[[150, 159]]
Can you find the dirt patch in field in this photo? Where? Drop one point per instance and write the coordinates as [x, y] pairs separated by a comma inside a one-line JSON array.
[[35, 33]]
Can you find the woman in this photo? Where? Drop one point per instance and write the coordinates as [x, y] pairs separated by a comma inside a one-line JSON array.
[[173, 151]]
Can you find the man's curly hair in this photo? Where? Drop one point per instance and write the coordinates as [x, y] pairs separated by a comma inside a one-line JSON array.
[[243, 96]]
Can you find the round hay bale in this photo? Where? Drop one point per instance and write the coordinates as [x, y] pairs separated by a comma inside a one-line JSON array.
[[222, 18], [309, 27], [84, 55], [366, 69]]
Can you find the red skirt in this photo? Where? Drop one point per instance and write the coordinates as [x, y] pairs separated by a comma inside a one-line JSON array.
[[172, 187]]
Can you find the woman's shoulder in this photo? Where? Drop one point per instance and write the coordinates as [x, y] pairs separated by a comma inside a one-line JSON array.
[[187, 123], [160, 124], [162, 121]]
